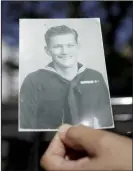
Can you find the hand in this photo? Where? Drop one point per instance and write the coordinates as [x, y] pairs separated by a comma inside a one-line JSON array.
[[103, 150]]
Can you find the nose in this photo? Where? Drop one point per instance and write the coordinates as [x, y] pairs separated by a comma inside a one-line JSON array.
[[64, 50]]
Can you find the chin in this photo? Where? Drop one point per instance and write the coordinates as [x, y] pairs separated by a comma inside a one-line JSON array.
[[66, 65]]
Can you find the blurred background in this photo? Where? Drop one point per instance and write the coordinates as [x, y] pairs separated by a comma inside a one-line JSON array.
[[21, 151]]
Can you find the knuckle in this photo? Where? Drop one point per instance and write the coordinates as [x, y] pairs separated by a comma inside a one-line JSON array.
[[43, 160], [46, 163]]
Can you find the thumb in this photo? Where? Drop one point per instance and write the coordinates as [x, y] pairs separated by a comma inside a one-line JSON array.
[[83, 138]]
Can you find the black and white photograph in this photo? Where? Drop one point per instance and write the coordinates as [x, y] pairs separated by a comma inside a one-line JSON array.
[[62, 75]]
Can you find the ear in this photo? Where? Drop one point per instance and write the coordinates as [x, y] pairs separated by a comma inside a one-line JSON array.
[[46, 50]]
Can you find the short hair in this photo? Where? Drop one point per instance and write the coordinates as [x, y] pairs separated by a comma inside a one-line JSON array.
[[59, 30]]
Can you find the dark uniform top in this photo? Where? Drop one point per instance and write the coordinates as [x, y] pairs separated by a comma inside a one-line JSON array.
[[47, 100]]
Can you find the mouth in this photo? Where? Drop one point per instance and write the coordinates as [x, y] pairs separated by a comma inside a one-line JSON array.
[[65, 57]]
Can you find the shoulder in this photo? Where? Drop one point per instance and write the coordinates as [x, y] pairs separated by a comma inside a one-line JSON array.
[[37, 75], [93, 73], [31, 76]]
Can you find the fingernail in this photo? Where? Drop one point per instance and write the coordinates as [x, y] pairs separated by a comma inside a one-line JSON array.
[[63, 129]]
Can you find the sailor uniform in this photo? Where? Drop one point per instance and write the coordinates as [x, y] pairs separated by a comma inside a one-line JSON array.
[[47, 100]]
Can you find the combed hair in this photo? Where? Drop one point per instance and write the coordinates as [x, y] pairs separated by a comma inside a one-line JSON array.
[[59, 30]]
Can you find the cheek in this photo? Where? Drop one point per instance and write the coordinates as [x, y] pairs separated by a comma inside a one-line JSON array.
[[55, 51], [74, 51]]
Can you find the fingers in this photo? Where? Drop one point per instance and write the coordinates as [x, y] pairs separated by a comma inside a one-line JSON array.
[[106, 150], [103, 146], [82, 137], [56, 146], [54, 157]]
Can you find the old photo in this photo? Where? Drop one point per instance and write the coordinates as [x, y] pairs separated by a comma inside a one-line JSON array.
[[62, 75]]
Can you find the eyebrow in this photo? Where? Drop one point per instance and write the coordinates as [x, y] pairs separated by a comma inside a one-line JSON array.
[[63, 44]]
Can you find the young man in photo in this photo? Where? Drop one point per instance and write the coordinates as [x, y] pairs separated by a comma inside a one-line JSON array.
[[64, 91]]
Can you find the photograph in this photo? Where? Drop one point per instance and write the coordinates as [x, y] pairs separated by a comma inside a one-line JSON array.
[[62, 75]]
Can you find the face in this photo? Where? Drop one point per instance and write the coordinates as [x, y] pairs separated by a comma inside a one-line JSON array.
[[63, 50]]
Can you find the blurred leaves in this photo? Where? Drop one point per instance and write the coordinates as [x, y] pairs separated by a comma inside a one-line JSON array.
[[116, 26]]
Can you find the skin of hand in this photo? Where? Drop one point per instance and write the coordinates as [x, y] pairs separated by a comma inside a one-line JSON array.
[[104, 150]]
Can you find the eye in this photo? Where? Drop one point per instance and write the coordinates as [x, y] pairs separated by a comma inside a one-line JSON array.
[[70, 45], [56, 46]]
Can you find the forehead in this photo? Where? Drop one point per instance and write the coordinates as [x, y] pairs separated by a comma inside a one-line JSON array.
[[62, 39]]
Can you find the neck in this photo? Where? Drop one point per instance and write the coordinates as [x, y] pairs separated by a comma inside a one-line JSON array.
[[67, 73]]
